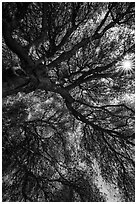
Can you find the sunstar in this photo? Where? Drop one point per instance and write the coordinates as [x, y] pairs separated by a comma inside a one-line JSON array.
[[126, 66]]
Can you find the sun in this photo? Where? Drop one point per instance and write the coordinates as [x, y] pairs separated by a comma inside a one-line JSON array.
[[126, 66]]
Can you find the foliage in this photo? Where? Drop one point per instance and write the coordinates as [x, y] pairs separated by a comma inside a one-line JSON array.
[[68, 101]]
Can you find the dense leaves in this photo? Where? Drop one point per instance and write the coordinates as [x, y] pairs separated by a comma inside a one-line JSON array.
[[68, 101]]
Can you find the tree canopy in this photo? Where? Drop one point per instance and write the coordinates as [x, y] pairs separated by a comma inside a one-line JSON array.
[[68, 101]]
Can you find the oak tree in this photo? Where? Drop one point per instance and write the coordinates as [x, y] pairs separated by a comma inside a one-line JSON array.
[[68, 100]]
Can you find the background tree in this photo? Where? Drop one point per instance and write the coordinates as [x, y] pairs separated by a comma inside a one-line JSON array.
[[68, 101]]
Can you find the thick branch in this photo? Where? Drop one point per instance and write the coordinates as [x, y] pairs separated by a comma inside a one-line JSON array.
[[82, 118], [14, 46], [102, 22]]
